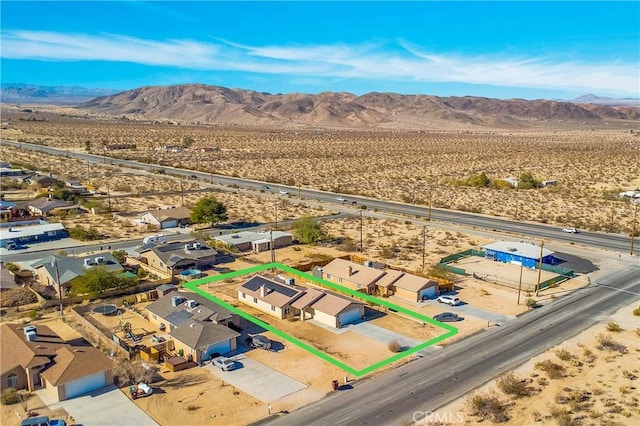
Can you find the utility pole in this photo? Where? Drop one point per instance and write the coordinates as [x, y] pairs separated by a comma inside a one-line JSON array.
[[109, 198], [182, 192], [539, 268], [276, 203], [633, 228], [424, 246], [273, 251], [520, 283], [361, 226], [429, 216], [88, 172], [55, 265], [516, 203]]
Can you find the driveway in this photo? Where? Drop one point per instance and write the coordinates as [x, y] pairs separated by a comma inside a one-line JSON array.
[[468, 310], [258, 380], [105, 407], [382, 334]]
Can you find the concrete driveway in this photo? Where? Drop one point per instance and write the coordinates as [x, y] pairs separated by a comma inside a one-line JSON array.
[[382, 334], [105, 407], [258, 380]]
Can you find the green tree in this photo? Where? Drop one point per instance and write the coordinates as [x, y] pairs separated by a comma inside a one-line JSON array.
[[120, 255], [527, 181], [308, 231], [209, 210], [95, 280], [478, 181]]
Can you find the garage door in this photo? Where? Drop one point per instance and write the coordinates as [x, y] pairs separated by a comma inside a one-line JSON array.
[[349, 316], [429, 292], [85, 385], [169, 224], [221, 348]]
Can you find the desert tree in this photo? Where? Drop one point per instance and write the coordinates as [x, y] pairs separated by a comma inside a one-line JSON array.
[[209, 210], [308, 231]]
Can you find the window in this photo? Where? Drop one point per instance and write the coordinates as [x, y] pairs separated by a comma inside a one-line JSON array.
[[244, 296], [255, 300], [328, 276], [340, 280], [12, 381], [286, 311], [273, 308]]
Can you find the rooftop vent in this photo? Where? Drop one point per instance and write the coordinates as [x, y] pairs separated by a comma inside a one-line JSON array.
[[177, 300], [191, 304]]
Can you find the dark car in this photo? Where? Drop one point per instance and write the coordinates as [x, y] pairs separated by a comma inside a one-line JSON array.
[[194, 176], [264, 187], [447, 317]]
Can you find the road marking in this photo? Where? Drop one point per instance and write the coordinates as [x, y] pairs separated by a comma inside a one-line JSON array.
[[618, 289]]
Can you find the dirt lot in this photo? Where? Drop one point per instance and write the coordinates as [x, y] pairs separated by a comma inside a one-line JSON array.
[[598, 385]]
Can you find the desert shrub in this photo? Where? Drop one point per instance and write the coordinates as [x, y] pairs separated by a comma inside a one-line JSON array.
[[510, 384], [553, 370], [606, 342], [395, 346], [562, 416], [9, 396], [128, 373], [12, 267], [614, 327], [191, 407], [636, 311], [33, 314], [84, 234], [564, 355], [487, 407], [17, 297], [629, 375], [531, 303]]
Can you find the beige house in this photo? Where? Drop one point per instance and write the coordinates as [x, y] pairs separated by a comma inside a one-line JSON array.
[[35, 357], [352, 275], [288, 301], [415, 288], [166, 218], [269, 296]]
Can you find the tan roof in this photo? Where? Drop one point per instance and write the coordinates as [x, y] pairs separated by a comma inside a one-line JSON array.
[[310, 296], [75, 362], [389, 278], [174, 213], [414, 282], [68, 362], [333, 304], [360, 274], [17, 350]]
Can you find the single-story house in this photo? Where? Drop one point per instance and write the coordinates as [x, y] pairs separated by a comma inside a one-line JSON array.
[[6, 210], [70, 268], [269, 296], [166, 218], [352, 275], [329, 308], [173, 257], [9, 172], [256, 241], [49, 207], [415, 288], [75, 187], [35, 357], [289, 301], [198, 326], [32, 234], [43, 182], [527, 254]]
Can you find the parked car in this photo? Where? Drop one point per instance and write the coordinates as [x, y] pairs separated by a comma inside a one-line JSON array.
[[265, 187], [194, 176], [449, 300], [259, 341], [284, 191], [447, 317], [224, 363], [570, 230], [42, 421], [341, 199]]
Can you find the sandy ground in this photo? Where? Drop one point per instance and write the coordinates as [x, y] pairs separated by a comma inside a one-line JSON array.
[[599, 386]]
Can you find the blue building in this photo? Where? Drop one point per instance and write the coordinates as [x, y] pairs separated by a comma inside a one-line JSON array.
[[17, 236], [526, 254]]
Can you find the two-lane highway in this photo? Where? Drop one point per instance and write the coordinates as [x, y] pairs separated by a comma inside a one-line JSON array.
[[614, 242]]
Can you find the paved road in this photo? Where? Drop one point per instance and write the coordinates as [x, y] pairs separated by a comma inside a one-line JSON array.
[[615, 242], [442, 376]]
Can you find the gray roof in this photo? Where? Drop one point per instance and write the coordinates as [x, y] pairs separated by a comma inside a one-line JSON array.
[[29, 231], [45, 205], [166, 287], [206, 309], [528, 250], [174, 252], [72, 267], [249, 236], [201, 335], [256, 282]]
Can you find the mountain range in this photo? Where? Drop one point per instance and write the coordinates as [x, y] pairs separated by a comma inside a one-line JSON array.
[[206, 104]]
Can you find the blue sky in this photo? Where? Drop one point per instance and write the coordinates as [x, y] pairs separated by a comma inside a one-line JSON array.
[[494, 49]]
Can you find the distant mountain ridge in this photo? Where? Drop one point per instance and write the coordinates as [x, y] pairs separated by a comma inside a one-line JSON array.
[[602, 100], [205, 104], [31, 93]]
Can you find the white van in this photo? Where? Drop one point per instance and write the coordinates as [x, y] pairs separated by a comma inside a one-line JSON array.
[[155, 239]]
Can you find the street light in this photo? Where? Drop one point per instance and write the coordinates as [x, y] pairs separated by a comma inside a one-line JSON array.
[[54, 263], [539, 268]]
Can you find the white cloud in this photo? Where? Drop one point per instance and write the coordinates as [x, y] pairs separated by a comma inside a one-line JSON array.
[[373, 61]]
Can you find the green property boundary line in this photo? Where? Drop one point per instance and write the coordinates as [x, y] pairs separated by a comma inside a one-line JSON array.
[[451, 331]]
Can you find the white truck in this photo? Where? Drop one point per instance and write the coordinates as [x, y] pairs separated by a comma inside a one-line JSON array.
[[155, 239]]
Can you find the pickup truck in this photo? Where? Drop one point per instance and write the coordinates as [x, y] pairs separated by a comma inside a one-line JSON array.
[[42, 421]]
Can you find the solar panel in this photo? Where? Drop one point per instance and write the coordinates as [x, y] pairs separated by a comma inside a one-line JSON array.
[[179, 317], [255, 283]]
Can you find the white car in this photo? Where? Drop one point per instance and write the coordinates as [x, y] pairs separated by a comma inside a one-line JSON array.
[[224, 363], [284, 191], [341, 199], [449, 300], [570, 230]]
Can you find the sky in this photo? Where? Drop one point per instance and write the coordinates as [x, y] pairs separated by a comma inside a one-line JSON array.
[[530, 50]]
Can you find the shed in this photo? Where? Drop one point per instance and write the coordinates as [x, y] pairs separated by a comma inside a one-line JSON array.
[[521, 253]]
